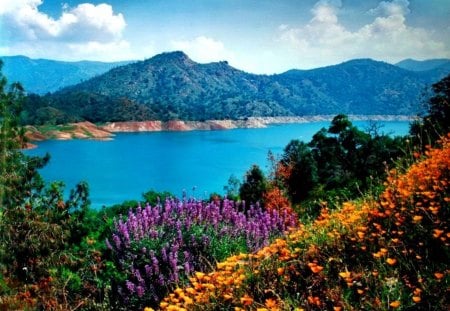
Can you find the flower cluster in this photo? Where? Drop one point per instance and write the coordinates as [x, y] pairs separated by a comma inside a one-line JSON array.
[[160, 246], [377, 254]]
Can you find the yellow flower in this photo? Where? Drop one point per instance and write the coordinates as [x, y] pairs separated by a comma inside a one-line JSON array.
[[345, 274]]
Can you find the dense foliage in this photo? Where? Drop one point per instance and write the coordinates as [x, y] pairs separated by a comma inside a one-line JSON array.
[[171, 86], [41, 258], [436, 122], [339, 163]]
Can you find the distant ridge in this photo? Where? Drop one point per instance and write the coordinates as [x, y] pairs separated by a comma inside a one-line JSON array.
[[41, 76], [170, 86], [423, 65]]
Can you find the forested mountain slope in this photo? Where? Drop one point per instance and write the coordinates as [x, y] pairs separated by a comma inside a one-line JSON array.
[[172, 86]]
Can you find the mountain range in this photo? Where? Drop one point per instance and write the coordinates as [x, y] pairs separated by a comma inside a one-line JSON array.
[[172, 86], [42, 76], [424, 65]]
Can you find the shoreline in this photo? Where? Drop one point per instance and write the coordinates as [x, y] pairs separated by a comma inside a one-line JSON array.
[[88, 130], [251, 122]]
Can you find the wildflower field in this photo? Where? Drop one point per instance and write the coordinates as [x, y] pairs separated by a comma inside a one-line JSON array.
[[370, 254]]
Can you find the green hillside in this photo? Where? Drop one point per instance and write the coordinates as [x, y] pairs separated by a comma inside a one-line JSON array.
[[172, 86]]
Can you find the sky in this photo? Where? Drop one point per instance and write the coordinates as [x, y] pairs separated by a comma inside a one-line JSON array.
[[258, 36]]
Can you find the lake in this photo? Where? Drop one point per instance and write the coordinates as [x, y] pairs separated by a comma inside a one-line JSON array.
[[198, 162]]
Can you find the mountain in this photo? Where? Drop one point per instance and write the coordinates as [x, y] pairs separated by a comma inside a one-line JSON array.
[[41, 76], [172, 86], [423, 65]]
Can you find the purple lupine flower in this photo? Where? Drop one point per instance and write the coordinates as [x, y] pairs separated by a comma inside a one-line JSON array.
[[155, 264], [138, 276], [187, 268], [148, 271], [130, 286], [166, 223], [108, 244], [164, 253], [140, 291], [117, 242], [161, 281]]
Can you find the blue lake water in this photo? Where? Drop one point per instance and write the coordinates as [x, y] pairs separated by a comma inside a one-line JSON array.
[[132, 163]]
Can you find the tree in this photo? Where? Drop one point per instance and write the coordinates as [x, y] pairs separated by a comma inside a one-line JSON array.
[[19, 177], [302, 177], [254, 185], [232, 188], [38, 229], [436, 122], [339, 163]]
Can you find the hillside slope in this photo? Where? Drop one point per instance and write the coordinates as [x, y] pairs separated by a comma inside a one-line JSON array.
[[172, 86]]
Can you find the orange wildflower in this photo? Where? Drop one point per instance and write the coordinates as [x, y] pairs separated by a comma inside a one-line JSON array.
[[439, 275], [377, 255], [395, 304], [315, 268], [437, 233], [246, 300], [271, 303], [314, 300], [280, 271], [416, 299], [391, 261], [345, 274], [417, 218]]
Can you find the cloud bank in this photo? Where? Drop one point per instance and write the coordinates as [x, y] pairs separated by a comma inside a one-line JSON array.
[[387, 37], [330, 33], [85, 31]]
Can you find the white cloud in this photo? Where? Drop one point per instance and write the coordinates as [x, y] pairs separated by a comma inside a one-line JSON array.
[[395, 7], [88, 29], [324, 39], [203, 49]]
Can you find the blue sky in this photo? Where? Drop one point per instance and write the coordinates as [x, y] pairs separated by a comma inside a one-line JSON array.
[[258, 36]]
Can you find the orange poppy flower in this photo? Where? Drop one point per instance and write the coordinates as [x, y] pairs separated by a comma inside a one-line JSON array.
[[246, 300], [391, 261], [416, 299]]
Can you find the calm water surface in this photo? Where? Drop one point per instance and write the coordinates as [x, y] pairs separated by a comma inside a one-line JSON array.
[[132, 163]]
